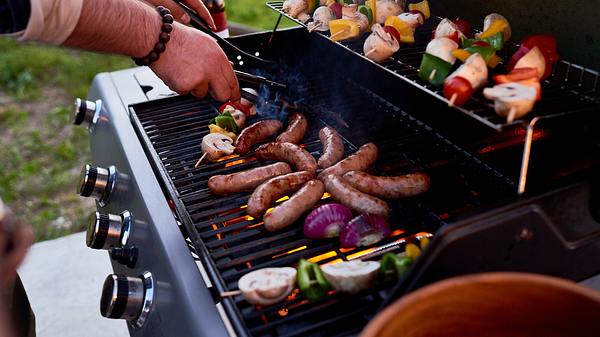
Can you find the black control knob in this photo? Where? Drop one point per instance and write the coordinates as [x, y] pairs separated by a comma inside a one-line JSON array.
[[108, 230], [97, 182], [86, 112], [125, 297], [125, 255]]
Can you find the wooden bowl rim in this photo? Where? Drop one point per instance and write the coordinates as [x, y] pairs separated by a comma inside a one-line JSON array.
[[387, 314]]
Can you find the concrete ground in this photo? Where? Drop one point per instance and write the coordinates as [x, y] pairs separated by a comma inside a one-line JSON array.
[[63, 279]]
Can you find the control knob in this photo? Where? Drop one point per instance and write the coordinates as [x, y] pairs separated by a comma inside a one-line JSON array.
[[97, 182], [87, 113], [129, 298], [105, 231]]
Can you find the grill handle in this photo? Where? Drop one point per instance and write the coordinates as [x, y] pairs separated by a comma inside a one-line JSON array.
[[199, 23]]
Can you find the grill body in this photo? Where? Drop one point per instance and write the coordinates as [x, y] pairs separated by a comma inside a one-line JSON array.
[[203, 244]]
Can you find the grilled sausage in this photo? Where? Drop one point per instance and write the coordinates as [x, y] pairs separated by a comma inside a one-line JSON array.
[[358, 161], [333, 147], [268, 192], [389, 187], [353, 198], [245, 180], [288, 212], [289, 153], [297, 126], [256, 133]]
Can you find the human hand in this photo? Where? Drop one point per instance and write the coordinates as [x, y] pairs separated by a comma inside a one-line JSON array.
[[180, 15], [194, 63], [15, 240]]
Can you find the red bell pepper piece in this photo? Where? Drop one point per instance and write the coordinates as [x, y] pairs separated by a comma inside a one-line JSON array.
[[237, 106], [546, 44], [516, 75], [464, 26]]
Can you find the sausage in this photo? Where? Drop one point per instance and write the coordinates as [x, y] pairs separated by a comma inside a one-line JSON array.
[[268, 192], [358, 161], [297, 126], [256, 133], [353, 198], [389, 187], [302, 201], [245, 180], [333, 147], [289, 153]]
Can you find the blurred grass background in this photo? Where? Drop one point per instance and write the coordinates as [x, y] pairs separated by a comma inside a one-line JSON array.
[[40, 152]]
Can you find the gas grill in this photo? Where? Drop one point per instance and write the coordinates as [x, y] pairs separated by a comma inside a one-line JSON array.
[[179, 249]]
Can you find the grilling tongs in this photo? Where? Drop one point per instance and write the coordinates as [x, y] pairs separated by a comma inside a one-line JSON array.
[[199, 23]]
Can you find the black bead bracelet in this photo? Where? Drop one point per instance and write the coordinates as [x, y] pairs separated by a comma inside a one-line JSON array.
[[165, 35]]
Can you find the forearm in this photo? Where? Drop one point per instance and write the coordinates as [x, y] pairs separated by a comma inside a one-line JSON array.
[[127, 27]]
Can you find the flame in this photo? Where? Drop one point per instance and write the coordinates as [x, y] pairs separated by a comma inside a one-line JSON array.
[[256, 224], [228, 157], [361, 253], [282, 199], [289, 252], [214, 226], [398, 232], [344, 250], [282, 312], [326, 195], [235, 162], [322, 256]]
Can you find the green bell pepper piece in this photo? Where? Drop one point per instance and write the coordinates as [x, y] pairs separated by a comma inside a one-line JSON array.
[[311, 281], [393, 267], [485, 52], [428, 64], [366, 11], [495, 41], [225, 121]]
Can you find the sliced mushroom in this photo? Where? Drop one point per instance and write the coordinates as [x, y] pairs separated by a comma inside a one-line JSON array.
[[217, 145], [352, 276], [386, 8], [533, 59], [295, 7], [268, 285], [380, 45], [491, 18], [321, 18], [473, 70], [511, 100], [442, 47]]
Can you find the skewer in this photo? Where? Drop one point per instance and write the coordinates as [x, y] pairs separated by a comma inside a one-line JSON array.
[[315, 27], [511, 115], [337, 34], [370, 52], [452, 100], [200, 160], [231, 293], [432, 74]]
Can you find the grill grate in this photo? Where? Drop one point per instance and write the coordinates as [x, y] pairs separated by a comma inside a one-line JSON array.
[[230, 243], [572, 89]]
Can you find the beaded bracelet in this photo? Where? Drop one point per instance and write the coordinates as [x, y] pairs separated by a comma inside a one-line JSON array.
[[165, 35]]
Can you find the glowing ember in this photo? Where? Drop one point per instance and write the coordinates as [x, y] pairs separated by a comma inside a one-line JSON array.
[[335, 261], [282, 199], [361, 253], [326, 196], [235, 162], [289, 252], [228, 157], [322, 257], [282, 312]]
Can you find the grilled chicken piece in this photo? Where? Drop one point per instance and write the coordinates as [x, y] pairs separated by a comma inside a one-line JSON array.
[[268, 285], [511, 100], [380, 45], [216, 145]]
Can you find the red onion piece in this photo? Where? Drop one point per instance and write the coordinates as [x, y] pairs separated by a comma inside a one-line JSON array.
[[325, 221], [364, 230]]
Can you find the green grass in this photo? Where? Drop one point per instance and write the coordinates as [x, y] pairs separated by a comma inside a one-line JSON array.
[[40, 152]]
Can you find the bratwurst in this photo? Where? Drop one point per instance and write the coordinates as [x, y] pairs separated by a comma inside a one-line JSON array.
[[333, 147], [297, 126], [288, 212], [245, 180], [268, 192], [389, 187], [289, 153], [358, 161], [353, 198], [256, 133]]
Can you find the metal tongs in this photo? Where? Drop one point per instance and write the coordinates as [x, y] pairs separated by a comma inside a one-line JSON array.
[[199, 23]]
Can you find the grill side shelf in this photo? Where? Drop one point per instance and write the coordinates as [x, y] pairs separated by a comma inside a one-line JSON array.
[[576, 84]]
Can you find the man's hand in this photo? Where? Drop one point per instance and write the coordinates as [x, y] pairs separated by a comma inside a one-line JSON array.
[[194, 63], [14, 242], [180, 15]]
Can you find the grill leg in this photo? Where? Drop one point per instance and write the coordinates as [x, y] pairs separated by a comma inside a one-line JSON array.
[[274, 30]]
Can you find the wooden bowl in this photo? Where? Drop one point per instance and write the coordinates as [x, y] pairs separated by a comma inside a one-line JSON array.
[[490, 305]]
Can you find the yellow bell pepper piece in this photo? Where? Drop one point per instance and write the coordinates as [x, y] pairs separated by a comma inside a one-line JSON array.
[[461, 54], [494, 28], [424, 242], [494, 61], [373, 5], [411, 250], [343, 29], [214, 128], [422, 6], [405, 31], [329, 2]]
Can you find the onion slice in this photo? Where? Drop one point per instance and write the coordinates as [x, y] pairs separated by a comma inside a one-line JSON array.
[[325, 221], [364, 230]]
